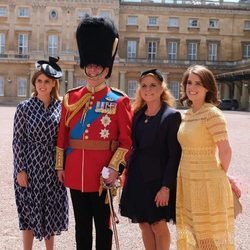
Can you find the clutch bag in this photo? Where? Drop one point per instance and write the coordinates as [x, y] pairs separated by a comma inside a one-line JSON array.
[[237, 205]]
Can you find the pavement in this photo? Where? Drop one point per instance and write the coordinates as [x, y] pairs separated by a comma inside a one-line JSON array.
[[129, 234]]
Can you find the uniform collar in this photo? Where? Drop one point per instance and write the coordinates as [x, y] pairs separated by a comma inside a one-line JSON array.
[[99, 87]]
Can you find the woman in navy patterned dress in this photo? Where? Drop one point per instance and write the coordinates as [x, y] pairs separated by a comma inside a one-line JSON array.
[[41, 199]]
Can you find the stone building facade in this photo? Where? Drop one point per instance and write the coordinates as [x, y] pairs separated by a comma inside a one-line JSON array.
[[169, 35]]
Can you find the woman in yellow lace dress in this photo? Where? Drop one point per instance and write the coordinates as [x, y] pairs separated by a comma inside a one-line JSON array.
[[204, 206]]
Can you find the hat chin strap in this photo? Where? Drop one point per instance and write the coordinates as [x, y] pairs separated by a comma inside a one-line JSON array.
[[97, 77]]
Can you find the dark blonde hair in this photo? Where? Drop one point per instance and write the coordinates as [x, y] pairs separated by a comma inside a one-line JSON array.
[[54, 92], [165, 97], [208, 81]]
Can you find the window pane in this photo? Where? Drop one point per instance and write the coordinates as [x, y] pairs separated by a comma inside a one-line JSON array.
[[21, 87], [132, 20], [173, 22], [152, 50], [213, 23], [152, 21], [192, 51], [212, 51], [1, 86], [247, 25], [53, 45], [23, 12], [2, 43], [175, 89], [3, 11], [105, 14], [81, 82], [246, 50], [172, 51], [131, 50], [132, 86], [193, 23], [23, 44]]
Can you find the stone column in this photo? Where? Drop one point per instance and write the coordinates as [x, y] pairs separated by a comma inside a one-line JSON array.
[[70, 78], [165, 75], [226, 91], [122, 81], [244, 97], [236, 91], [30, 87]]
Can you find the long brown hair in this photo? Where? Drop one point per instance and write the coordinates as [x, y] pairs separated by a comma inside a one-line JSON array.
[[54, 92], [165, 97], [208, 81]]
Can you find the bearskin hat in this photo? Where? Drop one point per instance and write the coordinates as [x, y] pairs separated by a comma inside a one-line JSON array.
[[97, 41]]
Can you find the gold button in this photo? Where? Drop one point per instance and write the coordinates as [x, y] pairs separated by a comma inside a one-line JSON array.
[[86, 137], [88, 125], [86, 131], [91, 103], [92, 97], [90, 108]]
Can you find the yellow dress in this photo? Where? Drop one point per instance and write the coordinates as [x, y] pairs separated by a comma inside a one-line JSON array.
[[204, 206]]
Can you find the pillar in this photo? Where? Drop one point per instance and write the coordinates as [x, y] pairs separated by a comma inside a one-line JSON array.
[[123, 81], [70, 78], [244, 97], [226, 91]]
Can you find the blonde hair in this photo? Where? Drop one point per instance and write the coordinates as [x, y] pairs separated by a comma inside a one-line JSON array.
[[54, 92], [165, 97]]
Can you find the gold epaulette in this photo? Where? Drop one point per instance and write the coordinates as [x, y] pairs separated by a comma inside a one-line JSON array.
[[118, 91], [75, 107], [59, 158], [118, 158]]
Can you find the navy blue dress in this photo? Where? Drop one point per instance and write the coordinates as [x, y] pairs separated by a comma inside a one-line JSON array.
[[153, 163], [43, 205]]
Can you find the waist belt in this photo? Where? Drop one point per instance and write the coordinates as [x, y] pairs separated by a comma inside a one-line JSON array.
[[93, 144]]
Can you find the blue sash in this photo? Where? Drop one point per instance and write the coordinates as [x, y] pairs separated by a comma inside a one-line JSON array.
[[91, 116]]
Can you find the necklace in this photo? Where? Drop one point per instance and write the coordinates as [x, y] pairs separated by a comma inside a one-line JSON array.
[[148, 117]]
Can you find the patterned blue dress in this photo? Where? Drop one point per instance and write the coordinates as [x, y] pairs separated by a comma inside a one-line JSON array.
[[43, 205]]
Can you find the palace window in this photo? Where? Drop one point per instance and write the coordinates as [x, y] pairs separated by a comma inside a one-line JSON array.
[[131, 49], [21, 87], [53, 45]]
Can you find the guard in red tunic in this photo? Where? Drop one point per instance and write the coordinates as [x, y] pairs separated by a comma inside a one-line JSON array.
[[94, 132]]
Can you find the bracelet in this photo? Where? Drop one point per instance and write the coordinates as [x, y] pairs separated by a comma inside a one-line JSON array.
[[165, 188]]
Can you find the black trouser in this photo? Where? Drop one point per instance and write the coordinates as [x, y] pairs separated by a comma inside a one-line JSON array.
[[87, 206]]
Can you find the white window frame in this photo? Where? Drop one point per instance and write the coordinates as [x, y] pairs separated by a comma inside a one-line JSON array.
[[172, 51], [106, 13], [22, 86], [212, 51], [152, 21], [81, 82], [82, 13], [193, 23], [132, 87], [2, 43], [23, 44], [152, 50], [173, 22], [23, 12], [247, 25], [213, 23], [53, 45], [175, 89], [3, 11], [192, 51], [1, 86], [132, 20], [246, 50], [131, 49]]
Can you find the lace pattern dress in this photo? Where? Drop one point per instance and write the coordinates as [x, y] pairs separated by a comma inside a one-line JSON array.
[[43, 205], [204, 206]]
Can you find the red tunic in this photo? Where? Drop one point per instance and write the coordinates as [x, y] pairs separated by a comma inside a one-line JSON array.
[[105, 116]]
